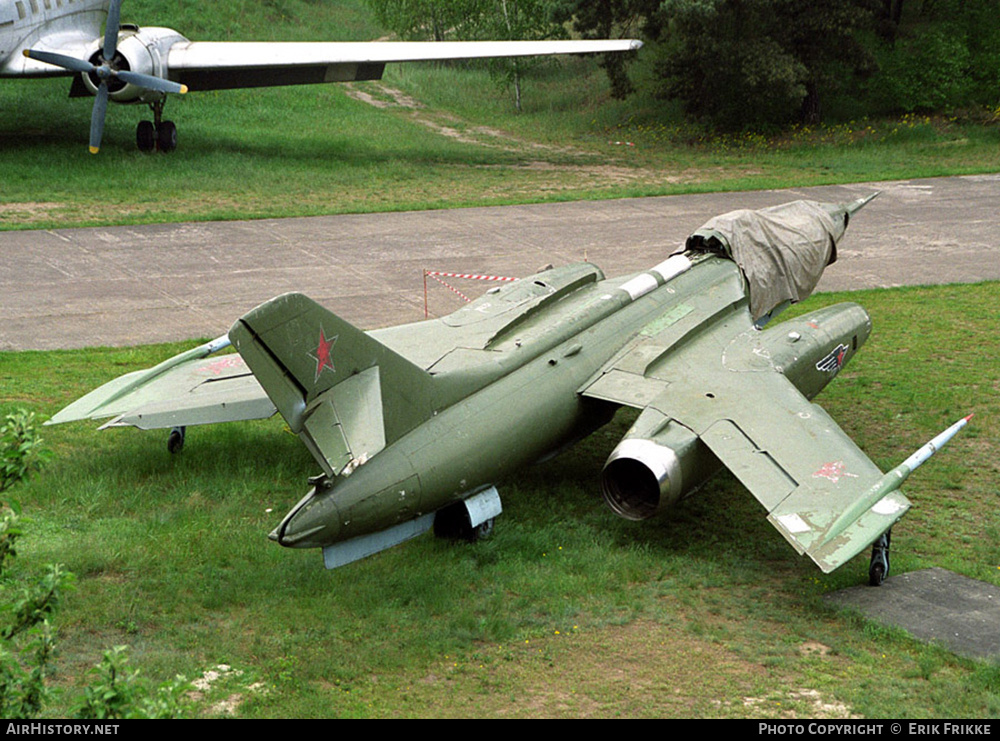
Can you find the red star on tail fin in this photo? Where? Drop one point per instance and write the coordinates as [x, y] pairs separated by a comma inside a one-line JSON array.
[[324, 354]]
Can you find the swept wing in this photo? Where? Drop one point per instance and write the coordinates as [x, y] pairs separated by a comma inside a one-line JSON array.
[[725, 386], [705, 367]]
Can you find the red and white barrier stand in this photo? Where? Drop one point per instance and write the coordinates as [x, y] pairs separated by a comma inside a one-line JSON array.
[[439, 276]]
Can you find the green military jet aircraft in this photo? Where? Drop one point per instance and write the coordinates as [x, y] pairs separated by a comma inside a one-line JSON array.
[[414, 425]]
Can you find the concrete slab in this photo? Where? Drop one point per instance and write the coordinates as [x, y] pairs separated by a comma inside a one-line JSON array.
[[934, 605], [67, 288]]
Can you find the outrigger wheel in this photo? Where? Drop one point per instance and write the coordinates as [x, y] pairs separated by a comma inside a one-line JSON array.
[[879, 567], [175, 441]]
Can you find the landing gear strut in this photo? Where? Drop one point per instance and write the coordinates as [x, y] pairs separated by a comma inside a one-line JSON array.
[[156, 134], [879, 567]]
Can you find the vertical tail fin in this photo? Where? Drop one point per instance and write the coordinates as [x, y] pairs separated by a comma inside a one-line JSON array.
[[345, 394]]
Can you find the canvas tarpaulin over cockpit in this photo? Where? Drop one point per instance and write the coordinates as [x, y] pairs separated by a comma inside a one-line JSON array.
[[782, 250]]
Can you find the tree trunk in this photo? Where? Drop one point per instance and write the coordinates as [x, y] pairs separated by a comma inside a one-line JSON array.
[[810, 111]]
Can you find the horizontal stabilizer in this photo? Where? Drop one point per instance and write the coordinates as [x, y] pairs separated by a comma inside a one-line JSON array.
[[233, 399], [185, 390]]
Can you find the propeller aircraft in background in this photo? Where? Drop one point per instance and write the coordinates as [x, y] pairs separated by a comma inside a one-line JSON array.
[[413, 426], [132, 64]]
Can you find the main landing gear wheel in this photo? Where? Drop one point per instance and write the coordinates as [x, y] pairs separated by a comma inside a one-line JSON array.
[[878, 570], [162, 136], [159, 134], [453, 522], [166, 137], [482, 530], [145, 136]]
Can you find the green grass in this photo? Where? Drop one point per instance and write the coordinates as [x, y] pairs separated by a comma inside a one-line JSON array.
[[317, 150], [567, 610]]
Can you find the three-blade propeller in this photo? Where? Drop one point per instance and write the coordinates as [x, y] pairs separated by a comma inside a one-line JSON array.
[[105, 72]]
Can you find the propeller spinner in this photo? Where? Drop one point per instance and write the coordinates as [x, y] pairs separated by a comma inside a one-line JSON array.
[[106, 71]]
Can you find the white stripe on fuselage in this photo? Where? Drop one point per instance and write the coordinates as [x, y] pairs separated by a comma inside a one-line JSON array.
[[643, 283]]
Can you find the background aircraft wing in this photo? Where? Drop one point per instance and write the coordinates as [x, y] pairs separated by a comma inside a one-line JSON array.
[[218, 65], [188, 389], [790, 454]]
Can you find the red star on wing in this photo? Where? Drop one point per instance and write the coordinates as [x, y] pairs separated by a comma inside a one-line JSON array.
[[324, 353], [834, 471]]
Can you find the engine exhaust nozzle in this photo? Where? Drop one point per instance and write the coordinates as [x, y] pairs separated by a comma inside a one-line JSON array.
[[640, 478]]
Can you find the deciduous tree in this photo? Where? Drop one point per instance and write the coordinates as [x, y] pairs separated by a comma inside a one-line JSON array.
[[753, 63]]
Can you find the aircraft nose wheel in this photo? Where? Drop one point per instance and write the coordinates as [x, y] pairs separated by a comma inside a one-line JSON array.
[[879, 567]]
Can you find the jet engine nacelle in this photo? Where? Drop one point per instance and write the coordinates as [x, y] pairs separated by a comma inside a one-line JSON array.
[[645, 475], [660, 461], [142, 50]]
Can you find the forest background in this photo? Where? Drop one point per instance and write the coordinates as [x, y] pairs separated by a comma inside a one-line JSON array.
[[756, 64]]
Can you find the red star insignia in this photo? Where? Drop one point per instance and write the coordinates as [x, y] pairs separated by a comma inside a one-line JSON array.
[[834, 471], [324, 354], [221, 365]]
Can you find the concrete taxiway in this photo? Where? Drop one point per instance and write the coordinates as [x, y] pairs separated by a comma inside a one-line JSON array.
[[67, 288], [936, 606]]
